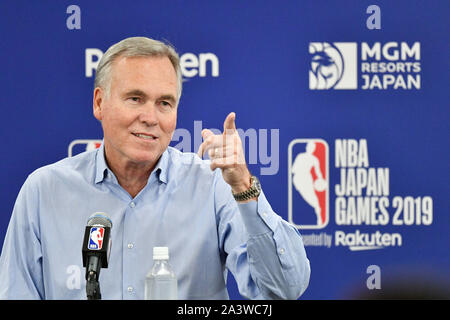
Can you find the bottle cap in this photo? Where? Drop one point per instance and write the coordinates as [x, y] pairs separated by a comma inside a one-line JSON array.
[[160, 253]]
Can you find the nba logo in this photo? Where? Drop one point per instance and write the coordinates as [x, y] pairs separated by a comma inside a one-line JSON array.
[[96, 238], [308, 183], [82, 145]]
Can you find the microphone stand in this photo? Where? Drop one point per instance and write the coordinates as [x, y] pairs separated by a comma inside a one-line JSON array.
[[93, 288], [92, 274]]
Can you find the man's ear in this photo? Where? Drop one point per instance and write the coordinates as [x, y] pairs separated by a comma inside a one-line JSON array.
[[98, 103]]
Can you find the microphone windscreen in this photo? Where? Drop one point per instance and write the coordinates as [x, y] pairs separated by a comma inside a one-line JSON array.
[[99, 218]]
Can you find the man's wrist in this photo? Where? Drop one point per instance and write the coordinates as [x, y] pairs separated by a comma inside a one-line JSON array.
[[245, 185]]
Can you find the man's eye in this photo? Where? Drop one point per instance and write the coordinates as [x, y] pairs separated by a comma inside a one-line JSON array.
[[165, 103], [135, 99]]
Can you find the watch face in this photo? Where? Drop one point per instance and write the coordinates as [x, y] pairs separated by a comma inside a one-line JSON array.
[[256, 183]]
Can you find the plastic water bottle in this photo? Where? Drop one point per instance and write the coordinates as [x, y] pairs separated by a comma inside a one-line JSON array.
[[161, 282]]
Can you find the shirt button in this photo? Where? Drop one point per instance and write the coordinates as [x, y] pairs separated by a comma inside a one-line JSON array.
[[130, 289], [130, 246], [265, 214], [281, 251], [132, 204]]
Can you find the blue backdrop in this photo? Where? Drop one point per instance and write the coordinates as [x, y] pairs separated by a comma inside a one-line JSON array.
[[373, 103]]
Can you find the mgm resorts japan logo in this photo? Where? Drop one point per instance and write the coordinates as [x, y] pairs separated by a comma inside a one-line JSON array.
[[390, 65]]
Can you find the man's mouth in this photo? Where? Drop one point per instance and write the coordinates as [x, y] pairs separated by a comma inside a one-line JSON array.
[[145, 136]]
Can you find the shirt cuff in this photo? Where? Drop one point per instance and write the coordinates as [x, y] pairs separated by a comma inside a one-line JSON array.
[[258, 216]]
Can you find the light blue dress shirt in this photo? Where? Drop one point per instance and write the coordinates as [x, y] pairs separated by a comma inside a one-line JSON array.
[[184, 206]]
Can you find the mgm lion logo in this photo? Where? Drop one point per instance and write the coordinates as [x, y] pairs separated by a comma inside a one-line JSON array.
[[332, 66]]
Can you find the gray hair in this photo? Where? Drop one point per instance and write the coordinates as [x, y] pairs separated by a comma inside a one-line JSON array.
[[136, 47]]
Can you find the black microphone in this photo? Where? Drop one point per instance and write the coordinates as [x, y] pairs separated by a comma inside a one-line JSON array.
[[96, 249]]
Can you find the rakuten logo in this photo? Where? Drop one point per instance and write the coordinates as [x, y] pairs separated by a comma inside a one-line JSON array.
[[192, 65]]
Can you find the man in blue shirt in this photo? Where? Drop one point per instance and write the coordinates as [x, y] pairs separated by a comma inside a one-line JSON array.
[[211, 214]]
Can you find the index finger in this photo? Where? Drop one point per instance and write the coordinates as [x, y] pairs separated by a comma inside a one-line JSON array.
[[206, 133]]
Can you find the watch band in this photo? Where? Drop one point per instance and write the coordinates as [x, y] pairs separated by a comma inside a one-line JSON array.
[[252, 192]]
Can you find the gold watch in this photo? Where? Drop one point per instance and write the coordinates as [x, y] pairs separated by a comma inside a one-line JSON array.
[[252, 192]]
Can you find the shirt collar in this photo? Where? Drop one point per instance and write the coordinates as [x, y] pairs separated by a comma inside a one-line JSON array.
[[160, 170], [162, 167]]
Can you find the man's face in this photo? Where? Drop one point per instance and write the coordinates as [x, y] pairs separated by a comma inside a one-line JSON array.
[[139, 116]]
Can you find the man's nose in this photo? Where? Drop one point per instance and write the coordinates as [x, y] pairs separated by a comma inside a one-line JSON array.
[[148, 114]]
